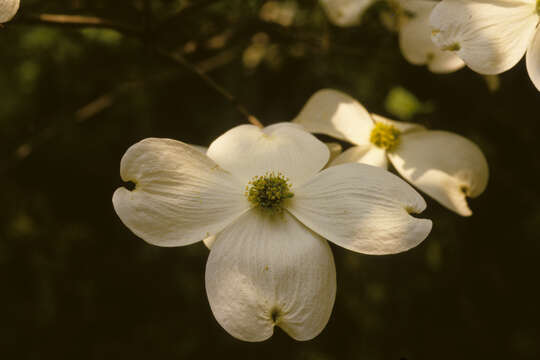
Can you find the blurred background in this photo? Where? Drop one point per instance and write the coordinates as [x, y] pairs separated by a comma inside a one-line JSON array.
[[77, 284]]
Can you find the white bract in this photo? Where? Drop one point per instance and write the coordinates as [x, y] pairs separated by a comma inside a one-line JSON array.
[[446, 166], [345, 12], [260, 199], [490, 36], [8, 9], [412, 20], [415, 38]]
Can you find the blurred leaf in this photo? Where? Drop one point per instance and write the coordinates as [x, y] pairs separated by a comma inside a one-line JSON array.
[[104, 36], [403, 104]]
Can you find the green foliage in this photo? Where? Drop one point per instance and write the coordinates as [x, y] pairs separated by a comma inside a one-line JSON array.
[[403, 104], [102, 36]]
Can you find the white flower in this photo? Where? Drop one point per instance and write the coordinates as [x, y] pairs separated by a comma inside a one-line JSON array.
[[490, 36], [345, 12], [415, 38], [8, 9], [261, 195], [444, 165], [412, 19], [282, 13]]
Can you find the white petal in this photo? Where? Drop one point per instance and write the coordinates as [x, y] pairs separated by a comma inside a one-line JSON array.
[[491, 37], [415, 40], [199, 148], [334, 113], [8, 9], [444, 62], [247, 151], [345, 12], [265, 271], [446, 166], [415, 7], [403, 126], [362, 208], [335, 150], [369, 155], [209, 241], [533, 60], [181, 196]]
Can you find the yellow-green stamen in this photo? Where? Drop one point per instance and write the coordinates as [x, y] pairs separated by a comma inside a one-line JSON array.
[[268, 192], [385, 136], [538, 7], [452, 47]]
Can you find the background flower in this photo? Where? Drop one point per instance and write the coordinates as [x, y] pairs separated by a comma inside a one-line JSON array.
[[444, 165], [411, 19], [415, 37], [346, 12], [8, 9], [490, 37]]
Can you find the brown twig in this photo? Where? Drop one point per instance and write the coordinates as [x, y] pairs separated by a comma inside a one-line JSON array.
[[183, 11], [92, 21], [77, 21], [180, 60], [106, 100]]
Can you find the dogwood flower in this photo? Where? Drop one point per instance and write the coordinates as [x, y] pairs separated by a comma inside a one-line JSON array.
[[411, 18], [446, 166], [345, 12], [8, 9], [490, 36], [415, 37], [263, 197]]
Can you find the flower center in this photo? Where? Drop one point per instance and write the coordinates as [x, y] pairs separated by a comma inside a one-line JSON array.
[[269, 191], [385, 136]]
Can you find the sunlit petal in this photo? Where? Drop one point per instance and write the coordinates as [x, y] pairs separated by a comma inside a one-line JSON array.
[[266, 271], [201, 149], [247, 151], [335, 150], [533, 60], [415, 39], [446, 166], [491, 37], [370, 155], [8, 9], [362, 208], [345, 12], [181, 196], [336, 114], [209, 241], [403, 126], [444, 62]]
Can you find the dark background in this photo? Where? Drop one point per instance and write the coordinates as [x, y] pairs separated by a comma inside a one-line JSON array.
[[77, 284]]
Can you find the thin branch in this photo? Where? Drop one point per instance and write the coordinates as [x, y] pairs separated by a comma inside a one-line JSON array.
[[86, 112], [180, 60], [106, 100], [183, 11], [102, 103], [92, 21], [77, 21]]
